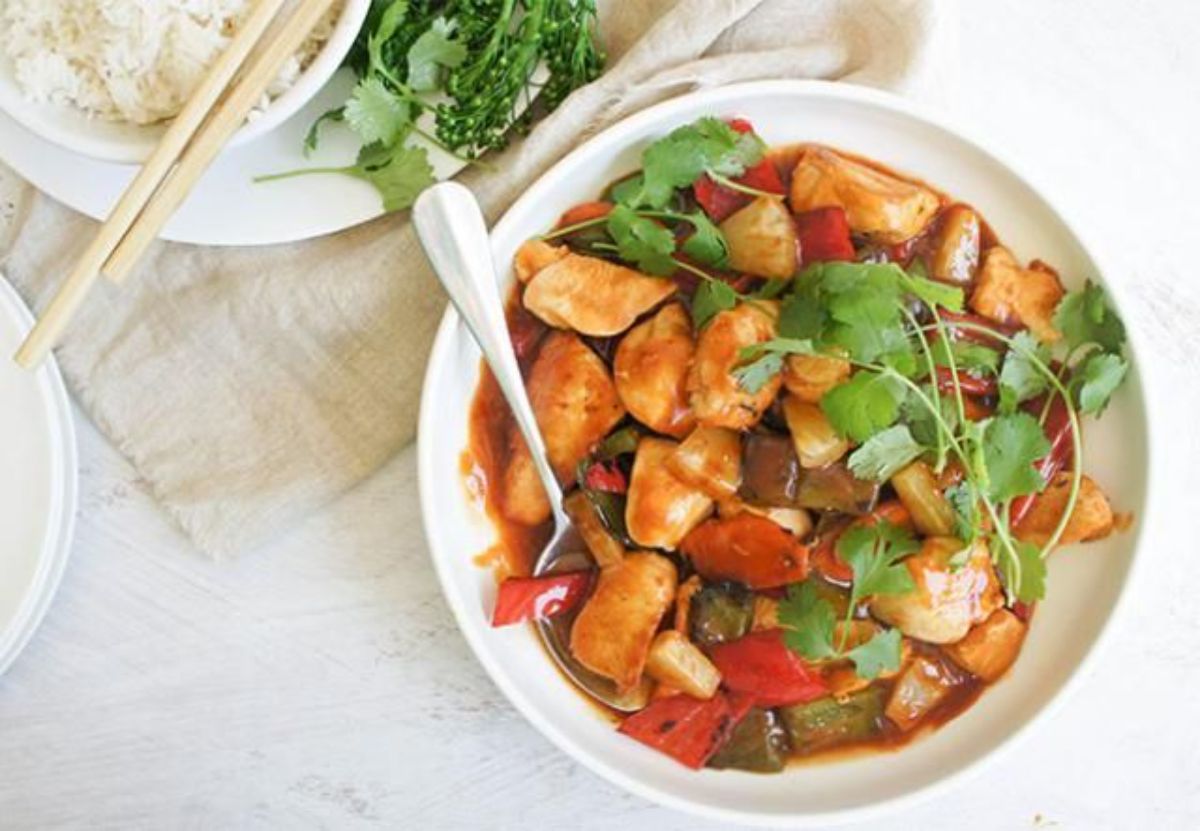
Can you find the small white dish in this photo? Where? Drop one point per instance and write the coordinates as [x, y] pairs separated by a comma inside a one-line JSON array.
[[1085, 586], [38, 483], [121, 142]]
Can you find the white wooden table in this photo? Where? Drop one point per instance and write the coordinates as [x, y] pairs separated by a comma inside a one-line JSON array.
[[322, 683]]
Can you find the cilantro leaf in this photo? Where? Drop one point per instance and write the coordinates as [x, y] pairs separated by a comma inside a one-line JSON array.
[[968, 356], [399, 174], [377, 114], [1020, 380], [880, 654], [642, 241], [755, 375], [1098, 377], [933, 293], [884, 453], [772, 289], [313, 136], [863, 301], [873, 553], [1011, 445], [808, 622], [801, 314], [706, 244], [706, 145], [1084, 316], [867, 403], [625, 191], [432, 53], [711, 298], [921, 422], [1029, 584], [389, 23]]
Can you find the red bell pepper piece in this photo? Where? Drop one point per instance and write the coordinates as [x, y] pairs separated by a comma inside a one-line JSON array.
[[824, 235], [748, 548], [1062, 452], [971, 384], [689, 730], [761, 665], [607, 478], [719, 201], [537, 598], [584, 212]]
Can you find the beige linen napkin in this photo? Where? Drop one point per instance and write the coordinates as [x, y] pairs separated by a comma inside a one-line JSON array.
[[251, 386]]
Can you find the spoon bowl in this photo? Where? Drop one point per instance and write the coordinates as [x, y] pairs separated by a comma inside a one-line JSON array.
[[452, 231]]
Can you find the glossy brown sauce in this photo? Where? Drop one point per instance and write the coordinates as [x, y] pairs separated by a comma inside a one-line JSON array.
[[517, 545]]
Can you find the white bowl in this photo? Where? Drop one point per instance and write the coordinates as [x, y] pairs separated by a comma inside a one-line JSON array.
[[115, 141], [1084, 587]]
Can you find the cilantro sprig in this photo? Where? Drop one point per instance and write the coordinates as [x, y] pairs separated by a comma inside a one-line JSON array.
[[874, 554], [890, 325], [469, 67]]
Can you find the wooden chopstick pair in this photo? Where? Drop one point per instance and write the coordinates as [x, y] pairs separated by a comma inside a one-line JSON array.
[[194, 138]]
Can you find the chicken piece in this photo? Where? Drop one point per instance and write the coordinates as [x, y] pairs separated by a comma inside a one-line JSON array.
[[593, 296], [1091, 519], [660, 509], [990, 648], [534, 255], [882, 206], [955, 254], [945, 602], [762, 239], [614, 629], [710, 459], [718, 400], [1010, 294], [576, 405], [651, 368], [606, 549], [809, 377]]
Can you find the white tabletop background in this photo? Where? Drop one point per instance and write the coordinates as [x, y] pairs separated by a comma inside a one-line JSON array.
[[322, 682]]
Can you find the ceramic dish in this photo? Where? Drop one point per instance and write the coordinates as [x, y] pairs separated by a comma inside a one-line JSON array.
[[37, 484], [1084, 591], [113, 141]]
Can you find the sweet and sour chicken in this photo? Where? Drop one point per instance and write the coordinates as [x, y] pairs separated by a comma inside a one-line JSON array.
[[810, 417]]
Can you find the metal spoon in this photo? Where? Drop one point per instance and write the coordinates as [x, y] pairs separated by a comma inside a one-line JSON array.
[[451, 229]]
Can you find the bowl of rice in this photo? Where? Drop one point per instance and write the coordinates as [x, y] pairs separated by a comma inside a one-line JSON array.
[[103, 77]]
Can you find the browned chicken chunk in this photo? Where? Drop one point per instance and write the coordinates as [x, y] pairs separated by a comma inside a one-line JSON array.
[[718, 400], [576, 405], [616, 626], [1091, 519], [990, 648], [651, 368], [946, 601], [593, 296], [877, 204], [535, 255], [1008, 293], [809, 377]]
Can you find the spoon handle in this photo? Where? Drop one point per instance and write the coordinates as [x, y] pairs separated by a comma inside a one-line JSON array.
[[450, 226]]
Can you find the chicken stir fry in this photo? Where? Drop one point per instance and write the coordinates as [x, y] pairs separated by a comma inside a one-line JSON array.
[[820, 432]]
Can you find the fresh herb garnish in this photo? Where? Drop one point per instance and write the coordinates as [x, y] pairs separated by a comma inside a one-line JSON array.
[[470, 65], [707, 145], [885, 453], [873, 554]]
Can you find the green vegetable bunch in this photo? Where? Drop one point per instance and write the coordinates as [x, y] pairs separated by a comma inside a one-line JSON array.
[[474, 64]]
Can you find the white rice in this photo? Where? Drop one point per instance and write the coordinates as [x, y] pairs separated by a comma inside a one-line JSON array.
[[129, 60]]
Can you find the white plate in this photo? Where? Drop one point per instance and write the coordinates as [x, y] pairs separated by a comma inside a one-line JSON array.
[[1084, 586], [227, 207], [37, 483]]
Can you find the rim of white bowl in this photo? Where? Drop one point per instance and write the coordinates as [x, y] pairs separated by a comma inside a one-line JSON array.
[[135, 146], [427, 425]]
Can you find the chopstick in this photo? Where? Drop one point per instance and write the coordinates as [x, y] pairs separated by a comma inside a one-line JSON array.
[[185, 151]]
